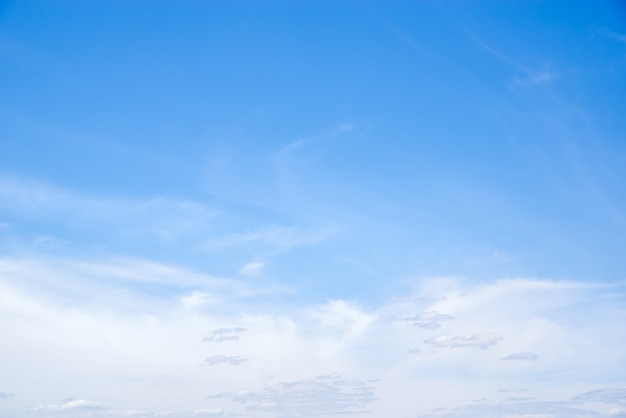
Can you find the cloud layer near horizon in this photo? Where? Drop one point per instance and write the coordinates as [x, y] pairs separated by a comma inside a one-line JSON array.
[[67, 322]]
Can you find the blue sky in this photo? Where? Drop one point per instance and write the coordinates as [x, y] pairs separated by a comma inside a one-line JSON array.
[[309, 208]]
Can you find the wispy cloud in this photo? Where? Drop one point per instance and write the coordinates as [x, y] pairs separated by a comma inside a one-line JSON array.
[[535, 77], [525, 75], [619, 37], [252, 268], [279, 237], [164, 218], [342, 128]]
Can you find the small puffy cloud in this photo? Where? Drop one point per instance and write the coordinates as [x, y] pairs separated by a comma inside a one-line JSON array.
[[4, 395], [221, 359], [225, 334], [474, 340], [523, 355], [322, 396]]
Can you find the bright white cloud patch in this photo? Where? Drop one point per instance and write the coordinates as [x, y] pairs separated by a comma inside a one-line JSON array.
[[235, 355]]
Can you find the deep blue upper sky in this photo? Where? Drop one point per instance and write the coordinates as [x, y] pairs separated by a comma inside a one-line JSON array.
[[482, 139]]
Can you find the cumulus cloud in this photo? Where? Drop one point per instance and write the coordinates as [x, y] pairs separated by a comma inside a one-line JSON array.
[[427, 320], [321, 396], [221, 359], [485, 340], [225, 334], [523, 355]]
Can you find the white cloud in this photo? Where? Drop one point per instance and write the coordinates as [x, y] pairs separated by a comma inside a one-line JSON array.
[[69, 322]]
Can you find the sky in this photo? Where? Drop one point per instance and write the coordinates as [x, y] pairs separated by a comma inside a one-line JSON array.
[[277, 209]]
